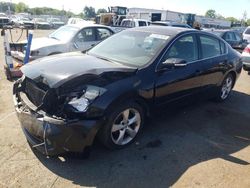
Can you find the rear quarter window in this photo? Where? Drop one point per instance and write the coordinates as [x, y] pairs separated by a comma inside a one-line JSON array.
[[223, 47]]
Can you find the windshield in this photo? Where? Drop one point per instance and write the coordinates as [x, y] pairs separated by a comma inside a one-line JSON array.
[[132, 48], [64, 33]]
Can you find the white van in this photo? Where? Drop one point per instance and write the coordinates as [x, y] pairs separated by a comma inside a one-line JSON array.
[[246, 34]]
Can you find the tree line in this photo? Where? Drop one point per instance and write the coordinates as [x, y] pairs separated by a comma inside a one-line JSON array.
[[90, 12], [242, 21]]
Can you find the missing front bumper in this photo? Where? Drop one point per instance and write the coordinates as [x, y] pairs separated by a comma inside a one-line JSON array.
[[53, 136]]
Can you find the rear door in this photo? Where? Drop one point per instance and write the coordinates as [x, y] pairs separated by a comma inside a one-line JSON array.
[[213, 59], [177, 82]]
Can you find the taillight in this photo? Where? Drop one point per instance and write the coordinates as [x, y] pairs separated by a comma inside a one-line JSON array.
[[247, 50]]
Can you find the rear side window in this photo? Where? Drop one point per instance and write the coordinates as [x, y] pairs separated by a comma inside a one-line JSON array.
[[210, 47], [247, 31], [238, 38], [230, 36], [142, 23], [128, 23]]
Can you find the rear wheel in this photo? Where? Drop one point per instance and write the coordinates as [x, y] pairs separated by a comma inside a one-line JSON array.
[[123, 126], [225, 88]]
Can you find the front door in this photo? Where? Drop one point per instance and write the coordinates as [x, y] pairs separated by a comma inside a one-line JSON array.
[[179, 81], [85, 39]]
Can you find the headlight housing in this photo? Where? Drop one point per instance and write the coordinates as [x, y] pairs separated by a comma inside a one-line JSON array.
[[87, 96]]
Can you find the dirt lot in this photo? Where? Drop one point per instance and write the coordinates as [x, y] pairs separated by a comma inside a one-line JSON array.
[[202, 144]]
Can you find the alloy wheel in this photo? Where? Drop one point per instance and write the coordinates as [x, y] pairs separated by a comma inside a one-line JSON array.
[[226, 87], [125, 126]]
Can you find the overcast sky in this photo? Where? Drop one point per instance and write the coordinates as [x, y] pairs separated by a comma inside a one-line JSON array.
[[226, 8]]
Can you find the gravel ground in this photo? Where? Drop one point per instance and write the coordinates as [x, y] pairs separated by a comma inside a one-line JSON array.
[[200, 144]]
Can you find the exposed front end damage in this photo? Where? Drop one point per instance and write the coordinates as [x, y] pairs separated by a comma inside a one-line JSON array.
[[38, 110]]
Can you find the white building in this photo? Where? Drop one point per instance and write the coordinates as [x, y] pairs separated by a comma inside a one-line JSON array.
[[167, 15]]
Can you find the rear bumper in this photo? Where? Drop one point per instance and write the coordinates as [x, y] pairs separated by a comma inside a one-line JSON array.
[[246, 62], [53, 136]]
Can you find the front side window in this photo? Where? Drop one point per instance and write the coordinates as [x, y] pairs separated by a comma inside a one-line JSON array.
[[86, 35], [210, 46], [184, 48]]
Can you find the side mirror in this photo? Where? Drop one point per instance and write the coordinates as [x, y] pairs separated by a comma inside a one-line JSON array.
[[172, 63]]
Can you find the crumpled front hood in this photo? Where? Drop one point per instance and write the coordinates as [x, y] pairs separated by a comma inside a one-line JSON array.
[[38, 43], [56, 70]]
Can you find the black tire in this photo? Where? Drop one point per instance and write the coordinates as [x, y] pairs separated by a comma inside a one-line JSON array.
[[108, 133], [225, 88]]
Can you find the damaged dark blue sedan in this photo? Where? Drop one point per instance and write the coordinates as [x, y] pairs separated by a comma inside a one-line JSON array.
[[66, 101]]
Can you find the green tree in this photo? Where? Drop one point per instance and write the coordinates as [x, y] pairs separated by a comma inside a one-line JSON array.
[[89, 12], [232, 19], [219, 16], [101, 10], [211, 13], [248, 22], [21, 7]]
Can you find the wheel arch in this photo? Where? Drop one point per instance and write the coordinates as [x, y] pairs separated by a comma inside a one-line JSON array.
[[129, 97], [54, 53]]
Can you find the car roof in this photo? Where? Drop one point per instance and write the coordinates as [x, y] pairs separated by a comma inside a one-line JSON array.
[[135, 19], [170, 31], [82, 25]]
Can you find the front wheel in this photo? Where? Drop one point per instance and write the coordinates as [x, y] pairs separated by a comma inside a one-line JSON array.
[[225, 88], [123, 125]]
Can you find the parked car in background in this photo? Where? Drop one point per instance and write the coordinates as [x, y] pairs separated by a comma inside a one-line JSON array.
[[68, 38], [246, 34], [240, 30], [26, 22], [4, 20], [134, 23], [233, 38], [75, 20], [172, 24], [55, 23], [246, 58], [65, 101], [41, 23], [130, 23]]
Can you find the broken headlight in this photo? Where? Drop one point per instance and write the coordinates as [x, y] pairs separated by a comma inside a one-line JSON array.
[[88, 95]]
